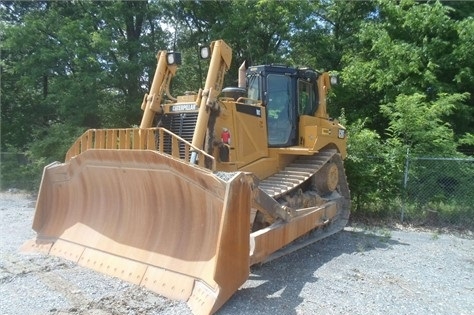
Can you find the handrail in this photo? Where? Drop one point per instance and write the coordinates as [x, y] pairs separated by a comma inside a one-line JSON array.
[[248, 101], [140, 139]]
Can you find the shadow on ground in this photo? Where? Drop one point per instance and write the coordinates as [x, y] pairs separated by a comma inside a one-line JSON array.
[[276, 286]]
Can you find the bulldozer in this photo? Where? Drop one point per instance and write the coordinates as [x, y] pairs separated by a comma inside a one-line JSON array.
[[212, 182]]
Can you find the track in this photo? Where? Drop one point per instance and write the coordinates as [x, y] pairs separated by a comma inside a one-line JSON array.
[[297, 174], [296, 182]]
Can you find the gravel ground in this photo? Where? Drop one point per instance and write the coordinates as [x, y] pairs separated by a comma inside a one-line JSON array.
[[357, 271]]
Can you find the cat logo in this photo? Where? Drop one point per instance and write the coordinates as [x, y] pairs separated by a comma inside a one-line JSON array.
[[184, 107]]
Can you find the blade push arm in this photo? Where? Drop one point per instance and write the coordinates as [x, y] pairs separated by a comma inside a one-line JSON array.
[[161, 81], [220, 63]]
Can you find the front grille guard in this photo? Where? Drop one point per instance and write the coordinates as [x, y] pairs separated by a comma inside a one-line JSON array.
[[156, 139]]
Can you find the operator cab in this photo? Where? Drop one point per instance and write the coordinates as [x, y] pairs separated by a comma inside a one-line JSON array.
[[287, 93]]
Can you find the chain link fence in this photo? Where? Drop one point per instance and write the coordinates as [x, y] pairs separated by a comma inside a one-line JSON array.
[[438, 192]]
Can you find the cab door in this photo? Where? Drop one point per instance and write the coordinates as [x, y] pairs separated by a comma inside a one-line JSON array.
[[280, 110]]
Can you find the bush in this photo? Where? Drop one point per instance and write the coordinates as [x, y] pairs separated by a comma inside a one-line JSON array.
[[374, 172], [23, 170], [18, 171]]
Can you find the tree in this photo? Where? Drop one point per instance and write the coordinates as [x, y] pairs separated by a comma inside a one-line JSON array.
[[406, 48], [258, 31], [91, 69], [419, 124], [328, 31]]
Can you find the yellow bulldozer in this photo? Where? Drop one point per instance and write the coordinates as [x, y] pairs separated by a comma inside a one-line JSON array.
[[211, 183]]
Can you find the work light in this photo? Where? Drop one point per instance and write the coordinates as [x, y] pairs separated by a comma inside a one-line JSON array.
[[205, 52], [173, 58]]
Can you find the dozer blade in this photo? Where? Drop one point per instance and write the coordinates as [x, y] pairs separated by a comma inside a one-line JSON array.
[[149, 219]]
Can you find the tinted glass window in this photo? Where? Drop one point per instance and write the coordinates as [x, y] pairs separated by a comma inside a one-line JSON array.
[[306, 98], [279, 115], [254, 87]]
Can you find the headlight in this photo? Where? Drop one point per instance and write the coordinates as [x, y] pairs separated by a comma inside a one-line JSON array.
[[205, 52], [341, 134], [173, 58]]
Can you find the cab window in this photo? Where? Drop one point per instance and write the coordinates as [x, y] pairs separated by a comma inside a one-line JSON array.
[[254, 87], [279, 114], [306, 98]]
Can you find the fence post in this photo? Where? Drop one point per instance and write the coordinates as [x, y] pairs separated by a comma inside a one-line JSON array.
[[405, 181]]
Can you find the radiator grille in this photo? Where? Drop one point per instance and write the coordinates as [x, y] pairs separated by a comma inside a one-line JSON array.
[[182, 124]]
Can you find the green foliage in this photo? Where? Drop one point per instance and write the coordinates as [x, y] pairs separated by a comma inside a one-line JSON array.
[[468, 139], [462, 58], [23, 170], [373, 169], [256, 30], [327, 32], [76, 64], [418, 124], [18, 171], [409, 48], [53, 142]]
